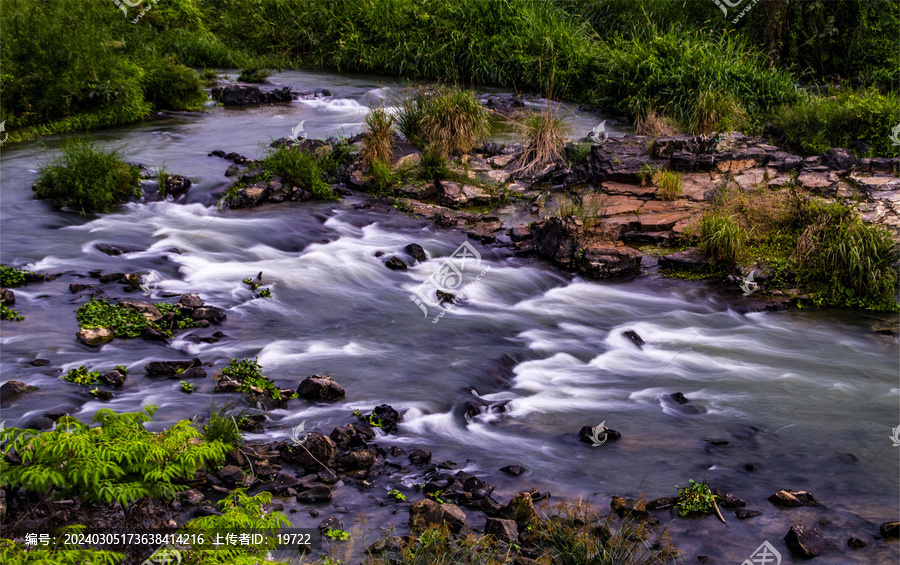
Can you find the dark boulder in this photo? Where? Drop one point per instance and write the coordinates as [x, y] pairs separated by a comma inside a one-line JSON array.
[[420, 456], [427, 513], [355, 460], [514, 470], [806, 543], [189, 302], [113, 378], [209, 314], [315, 494], [317, 450], [7, 296], [388, 416], [838, 158], [171, 368], [320, 387], [503, 530], [243, 94], [417, 252], [743, 513], [890, 530], [634, 338], [679, 398], [395, 263], [586, 434], [688, 260]]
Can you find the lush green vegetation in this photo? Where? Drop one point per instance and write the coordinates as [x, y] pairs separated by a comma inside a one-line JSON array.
[[85, 177], [442, 122], [695, 499], [82, 376], [817, 247], [10, 276], [377, 145], [127, 322], [544, 134], [57, 554], [7, 313], [248, 373], [669, 184], [116, 462], [295, 167], [670, 64]]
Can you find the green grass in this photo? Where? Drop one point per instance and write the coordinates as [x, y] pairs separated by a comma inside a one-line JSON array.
[[85, 177], [721, 237], [377, 144], [248, 373], [816, 123], [544, 135], [445, 121], [716, 111], [295, 167], [669, 184]]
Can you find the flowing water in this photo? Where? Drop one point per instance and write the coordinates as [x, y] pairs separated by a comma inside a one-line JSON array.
[[802, 400]]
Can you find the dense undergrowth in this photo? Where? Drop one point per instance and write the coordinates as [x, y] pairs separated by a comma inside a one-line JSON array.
[[805, 243], [79, 65]]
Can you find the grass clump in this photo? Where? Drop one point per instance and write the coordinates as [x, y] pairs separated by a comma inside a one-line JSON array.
[[446, 121], [544, 136], [649, 122], [295, 167], [718, 111], [81, 376], [721, 237], [695, 499], [377, 145], [117, 462], [256, 72], [222, 426], [589, 213], [86, 177], [669, 184]]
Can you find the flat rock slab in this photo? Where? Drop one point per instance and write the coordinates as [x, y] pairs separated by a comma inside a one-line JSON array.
[[662, 221]]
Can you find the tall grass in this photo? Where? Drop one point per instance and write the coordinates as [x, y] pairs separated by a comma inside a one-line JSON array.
[[544, 136], [718, 111], [669, 184], [85, 177], [445, 121], [377, 145], [721, 237], [648, 122]]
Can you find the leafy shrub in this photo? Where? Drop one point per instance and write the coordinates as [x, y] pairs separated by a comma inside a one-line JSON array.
[[81, 376], [187, 387], [171, 86], [695, 498], [117, 462], [10, 276], [248, 373], [377, 145], [721, 237], [7, 313], [336, 534], [86, 177], [239, 512], [669, 184]]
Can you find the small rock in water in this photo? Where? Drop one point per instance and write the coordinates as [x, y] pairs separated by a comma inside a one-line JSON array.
[[743, 513], [786, 497], [855, 543], [40, 362], [586, 434], [444, 297], [396, 264], [12, 389], [634, 337], [96, 336], [679, 398], [514, 470], [417, 252], [806, 543], [320, 387], [890, 530]]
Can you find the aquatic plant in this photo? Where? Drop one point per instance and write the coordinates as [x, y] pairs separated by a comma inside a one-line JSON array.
[[695, 499], [82, 376]]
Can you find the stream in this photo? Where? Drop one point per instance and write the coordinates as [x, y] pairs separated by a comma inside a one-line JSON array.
[[799, 399]]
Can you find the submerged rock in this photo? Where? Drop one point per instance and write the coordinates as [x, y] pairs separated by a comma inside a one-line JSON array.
[[395, 263], [13, 389]]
